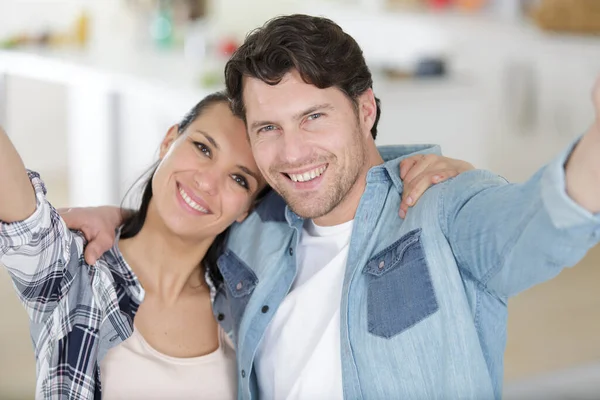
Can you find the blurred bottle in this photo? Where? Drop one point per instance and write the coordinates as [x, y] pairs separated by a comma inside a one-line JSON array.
[[82, 29], [162, 25]]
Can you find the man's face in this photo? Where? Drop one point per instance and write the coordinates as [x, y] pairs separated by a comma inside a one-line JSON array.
[[309, 143]]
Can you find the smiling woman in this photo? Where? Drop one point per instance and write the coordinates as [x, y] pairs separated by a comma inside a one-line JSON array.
[[209, 134], [140, 318]]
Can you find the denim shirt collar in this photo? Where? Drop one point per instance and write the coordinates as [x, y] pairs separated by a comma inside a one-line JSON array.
[[388, 171]]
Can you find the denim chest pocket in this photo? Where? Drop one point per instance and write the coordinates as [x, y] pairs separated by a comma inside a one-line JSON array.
[[239, 281], [400, 291]]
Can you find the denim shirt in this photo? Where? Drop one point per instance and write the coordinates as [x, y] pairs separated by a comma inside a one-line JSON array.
[[424, 302]]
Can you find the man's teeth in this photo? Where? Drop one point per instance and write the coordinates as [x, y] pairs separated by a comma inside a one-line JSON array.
[[191, 202], [308, 175]]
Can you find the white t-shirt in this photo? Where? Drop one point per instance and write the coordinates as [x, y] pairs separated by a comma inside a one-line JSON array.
[[299, 356]]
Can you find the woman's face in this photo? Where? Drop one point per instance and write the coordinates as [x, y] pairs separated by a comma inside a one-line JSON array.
[[207, 177]]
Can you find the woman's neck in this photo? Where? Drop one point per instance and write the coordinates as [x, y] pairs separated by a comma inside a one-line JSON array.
[[166, 265]]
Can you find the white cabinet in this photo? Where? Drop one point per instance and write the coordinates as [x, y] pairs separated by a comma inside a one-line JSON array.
[[445, 112], [553, 96]]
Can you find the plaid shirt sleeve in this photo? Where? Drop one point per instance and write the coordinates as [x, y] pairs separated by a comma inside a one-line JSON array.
[[36, 252]]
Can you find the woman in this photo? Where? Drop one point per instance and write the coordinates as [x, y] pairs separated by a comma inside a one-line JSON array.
[[138, 322], [82, 318]]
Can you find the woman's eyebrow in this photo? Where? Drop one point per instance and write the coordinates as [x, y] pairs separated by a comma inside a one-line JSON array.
[[249, 172], [209, 138]]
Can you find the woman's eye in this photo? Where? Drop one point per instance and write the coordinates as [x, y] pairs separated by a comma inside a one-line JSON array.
[[203, 148], [240, 180]]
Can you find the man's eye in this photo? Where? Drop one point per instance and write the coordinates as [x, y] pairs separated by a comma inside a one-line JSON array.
[[267, 128], [314, 116]]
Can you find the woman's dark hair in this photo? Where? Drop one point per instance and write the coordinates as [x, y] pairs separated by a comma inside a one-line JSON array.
[[322, 53], [135, 221]]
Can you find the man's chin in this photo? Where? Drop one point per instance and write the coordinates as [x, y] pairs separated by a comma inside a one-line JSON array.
[[307, 211], [307, 205]]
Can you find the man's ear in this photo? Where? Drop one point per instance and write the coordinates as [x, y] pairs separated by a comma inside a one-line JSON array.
[[170, 137], [367, 110]]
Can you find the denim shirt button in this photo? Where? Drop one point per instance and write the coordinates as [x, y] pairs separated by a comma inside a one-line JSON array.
[[243, 373], [291, 251], [265, 309], [381, 264], [221, 317], [239, 286]]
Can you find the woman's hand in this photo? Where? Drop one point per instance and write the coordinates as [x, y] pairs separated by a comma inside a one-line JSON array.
[[421, 171]]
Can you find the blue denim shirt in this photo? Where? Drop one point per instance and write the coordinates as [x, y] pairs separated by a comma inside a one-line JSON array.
[[424, 303]]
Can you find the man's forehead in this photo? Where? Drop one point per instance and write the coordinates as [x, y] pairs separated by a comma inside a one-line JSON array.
[[290, 94], [257, 89]]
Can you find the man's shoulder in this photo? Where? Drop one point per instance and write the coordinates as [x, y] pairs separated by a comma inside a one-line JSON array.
[[266, 224], [399, 152], [393, 156], [458, 190], [271, 208], [476, 179]]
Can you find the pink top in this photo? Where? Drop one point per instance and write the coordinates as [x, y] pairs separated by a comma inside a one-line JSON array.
[[134, 370]]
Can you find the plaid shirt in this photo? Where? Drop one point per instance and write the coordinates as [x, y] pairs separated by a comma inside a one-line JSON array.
[[77, 312]]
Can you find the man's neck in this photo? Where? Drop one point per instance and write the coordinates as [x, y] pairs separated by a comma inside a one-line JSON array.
[[346, 209]]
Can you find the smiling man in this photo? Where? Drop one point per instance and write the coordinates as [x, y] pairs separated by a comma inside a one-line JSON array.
[[333, 296], [313, 145]]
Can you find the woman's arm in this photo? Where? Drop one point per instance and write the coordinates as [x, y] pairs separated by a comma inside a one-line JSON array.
[[35, 244], [17, 198]]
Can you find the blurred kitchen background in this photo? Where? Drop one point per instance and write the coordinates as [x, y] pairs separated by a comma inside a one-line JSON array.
[[89, 88]]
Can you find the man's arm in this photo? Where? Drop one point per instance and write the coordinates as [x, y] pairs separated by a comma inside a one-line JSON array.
[[583, 167], [510, 237]]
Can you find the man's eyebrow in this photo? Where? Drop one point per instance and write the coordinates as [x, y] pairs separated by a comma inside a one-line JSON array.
[[258, 124], [311, 110], [300, 115]]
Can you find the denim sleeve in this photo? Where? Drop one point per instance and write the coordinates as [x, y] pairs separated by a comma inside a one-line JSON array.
[[510, 237], [391, 152]]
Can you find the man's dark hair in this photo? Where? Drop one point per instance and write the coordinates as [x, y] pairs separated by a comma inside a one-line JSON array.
[[322, 53]]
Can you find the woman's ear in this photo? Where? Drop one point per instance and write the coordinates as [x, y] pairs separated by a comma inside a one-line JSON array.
[[170, 137]]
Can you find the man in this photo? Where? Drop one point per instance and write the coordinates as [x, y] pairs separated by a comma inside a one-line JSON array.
[[334, 296]]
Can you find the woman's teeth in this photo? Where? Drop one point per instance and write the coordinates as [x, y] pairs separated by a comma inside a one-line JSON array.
[[191, 202]]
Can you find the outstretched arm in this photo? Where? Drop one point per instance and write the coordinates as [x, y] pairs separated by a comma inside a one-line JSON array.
[[17, 198]]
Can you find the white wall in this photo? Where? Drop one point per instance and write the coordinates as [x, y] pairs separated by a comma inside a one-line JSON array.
[[36, 124]]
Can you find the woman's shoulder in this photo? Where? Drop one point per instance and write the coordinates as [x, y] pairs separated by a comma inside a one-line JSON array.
[[113, 267]]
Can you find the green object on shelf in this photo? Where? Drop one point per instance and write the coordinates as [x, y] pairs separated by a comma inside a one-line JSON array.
[[162, 26], [211, 79]]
